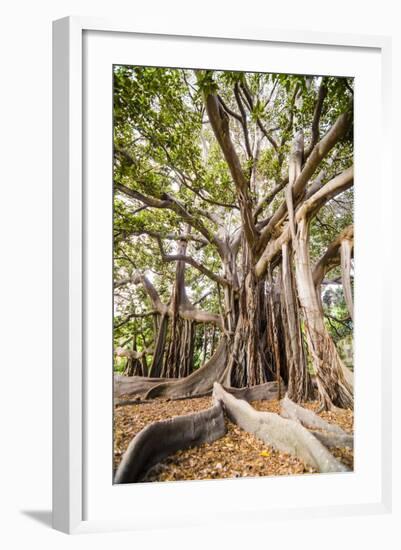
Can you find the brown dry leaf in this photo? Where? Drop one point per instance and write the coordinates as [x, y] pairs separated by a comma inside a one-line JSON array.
[[237, 454]]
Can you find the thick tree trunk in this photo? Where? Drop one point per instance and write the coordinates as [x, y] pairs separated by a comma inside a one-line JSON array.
[[346, 253], [231, 304], [134, 364], [299, 384], [199, 382], [156, 368], [333, 381], [136, 361], [250, 359], [212, 370], [204, 344], [254, 354], [179, 356], [273, 333]]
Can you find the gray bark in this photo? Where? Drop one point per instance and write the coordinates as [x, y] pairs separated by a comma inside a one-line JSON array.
[[133, 385], [199, 382], [346, 252], [262, 392], [161, 439], [330, 435], [282, 434]]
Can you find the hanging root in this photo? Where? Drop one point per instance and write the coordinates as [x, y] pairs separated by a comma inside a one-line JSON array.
[[161, 439], [199, 382], [284, 435]]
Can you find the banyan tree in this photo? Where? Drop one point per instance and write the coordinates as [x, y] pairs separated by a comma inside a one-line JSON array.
[[232, 232]]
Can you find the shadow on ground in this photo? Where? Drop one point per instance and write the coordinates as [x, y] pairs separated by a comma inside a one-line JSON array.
[[41, 516]]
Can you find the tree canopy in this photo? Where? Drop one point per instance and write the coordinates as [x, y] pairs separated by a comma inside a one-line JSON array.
[[233, 213]]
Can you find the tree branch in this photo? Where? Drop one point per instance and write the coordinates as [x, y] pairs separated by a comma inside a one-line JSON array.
[[134, 316], [321, 149], [170, 236], [172, 204], [243, 120], [191, 261], [220, 125], [316, 117], [334, 187], [331, 258], [269, 137], [269, 197]]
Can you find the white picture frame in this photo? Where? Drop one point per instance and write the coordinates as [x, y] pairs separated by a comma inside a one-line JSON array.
[[70, 338]]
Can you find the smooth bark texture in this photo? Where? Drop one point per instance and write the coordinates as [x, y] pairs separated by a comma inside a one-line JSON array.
[[284, 435], [270, 319], [333, 386], [329, 434], [186, 310], [160, 439], [262, 392], [346, 252], [219, 121], [329, 439], [133, 385], [309, 207], [333, 257], [319, 152], [299, 385], [156, 367], [199, 382]]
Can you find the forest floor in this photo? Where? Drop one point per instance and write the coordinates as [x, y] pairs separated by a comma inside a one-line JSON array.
[[237, 454]]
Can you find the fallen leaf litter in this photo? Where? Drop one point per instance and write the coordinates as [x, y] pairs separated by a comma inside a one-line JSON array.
[[237, 454]]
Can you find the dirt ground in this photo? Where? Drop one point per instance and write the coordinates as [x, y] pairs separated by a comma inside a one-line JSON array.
[[237, 454]]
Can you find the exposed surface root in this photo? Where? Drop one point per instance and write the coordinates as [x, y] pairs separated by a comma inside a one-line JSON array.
[[199, 382], [162, 438], [237, 454], [285, 435], [265, 392], [133, 385], [330, 435]]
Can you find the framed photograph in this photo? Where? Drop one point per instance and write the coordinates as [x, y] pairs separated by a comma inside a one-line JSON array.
[[215, 319]]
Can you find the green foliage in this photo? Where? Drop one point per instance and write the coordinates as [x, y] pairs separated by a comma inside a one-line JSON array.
[[164, 147], [337, 319]]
